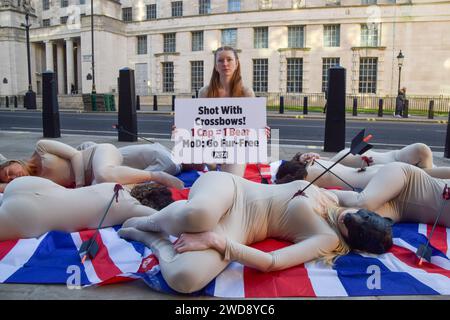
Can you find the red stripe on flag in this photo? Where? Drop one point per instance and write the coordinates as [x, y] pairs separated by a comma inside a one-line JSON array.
[[408, 257], [148, 263], [102, 263], [253, 172], [292, 282], [439, 239], [179, 194], [6, 247]]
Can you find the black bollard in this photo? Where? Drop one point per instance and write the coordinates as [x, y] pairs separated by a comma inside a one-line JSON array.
[[406, 109], [15, 102], [7, 102], [155, 102], [281, 104], [193, 96], [447, 139], [127, 106], [138, 103], [355, 107], [50, 108], [305, 105], [431, 110], [335, 114], [173, 103], [380, 108], [196, 93]]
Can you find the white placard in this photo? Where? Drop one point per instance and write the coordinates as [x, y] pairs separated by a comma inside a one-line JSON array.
[[220, 130]]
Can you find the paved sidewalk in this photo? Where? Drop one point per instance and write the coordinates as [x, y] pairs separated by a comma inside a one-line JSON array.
[[21, 145]]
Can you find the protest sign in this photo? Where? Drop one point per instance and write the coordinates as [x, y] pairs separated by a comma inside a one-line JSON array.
[[220, 130]]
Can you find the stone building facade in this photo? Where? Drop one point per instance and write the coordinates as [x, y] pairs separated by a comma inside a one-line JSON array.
[[284, 45]]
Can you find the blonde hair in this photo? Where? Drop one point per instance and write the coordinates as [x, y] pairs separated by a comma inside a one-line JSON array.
[[331, 216], [236, 86]]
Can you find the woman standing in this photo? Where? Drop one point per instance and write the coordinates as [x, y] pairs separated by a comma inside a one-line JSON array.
[[226, 82]]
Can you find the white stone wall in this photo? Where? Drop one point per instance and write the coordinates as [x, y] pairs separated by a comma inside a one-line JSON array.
[[420, 30]]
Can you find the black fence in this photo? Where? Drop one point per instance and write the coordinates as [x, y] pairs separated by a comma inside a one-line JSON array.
[[363, 103]]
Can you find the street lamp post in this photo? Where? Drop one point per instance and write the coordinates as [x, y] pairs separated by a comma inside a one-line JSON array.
[[92, 44], [400, 59], [30, 97]]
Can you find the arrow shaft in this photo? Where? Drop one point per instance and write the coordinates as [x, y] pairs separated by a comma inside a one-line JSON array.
[[320, 176], [348, 184], [133, 134]]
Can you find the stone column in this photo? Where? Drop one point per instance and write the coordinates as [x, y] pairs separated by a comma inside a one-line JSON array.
[[80, 81], [60, 62], [49, 56], [70, 65]]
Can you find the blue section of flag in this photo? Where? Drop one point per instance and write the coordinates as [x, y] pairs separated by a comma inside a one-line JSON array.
[[188, 177], [50, 262], [360, 280], [409, 233]]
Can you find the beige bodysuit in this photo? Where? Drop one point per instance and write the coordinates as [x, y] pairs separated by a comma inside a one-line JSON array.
[[32, 206], [244, 212], [401, 192]]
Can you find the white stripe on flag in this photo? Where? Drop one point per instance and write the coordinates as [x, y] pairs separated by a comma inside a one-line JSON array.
[[324, 280], [448, 242], [436, 260], [230, 283], [121, 252], [88, 267], [18, 256], [435, 281], [423, 229], [274, 169]]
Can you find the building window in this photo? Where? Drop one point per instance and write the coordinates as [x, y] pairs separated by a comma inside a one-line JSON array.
[[141, 44], [369, 35], [260, 75], [177, 8], [369, 2], [64, 3], [127, 14], [234, 5], [261, 37], [167, 75], [327, 63], [204, 6], [296, 37], [46, 22], [294, 75], [45, 4], [197, 41], [297, 4], [331, 35], [170, 42], [82, 1], [63, 20], [368, 75], [196, 75], [229, 37], [333, 3], [151, 11], [265, 4]]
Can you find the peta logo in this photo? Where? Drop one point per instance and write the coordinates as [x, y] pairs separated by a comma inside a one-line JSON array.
[[374, 280]]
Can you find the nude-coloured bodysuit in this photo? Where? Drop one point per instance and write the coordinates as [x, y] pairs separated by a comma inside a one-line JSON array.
[[402, 192], [245, 212], [32, 206]]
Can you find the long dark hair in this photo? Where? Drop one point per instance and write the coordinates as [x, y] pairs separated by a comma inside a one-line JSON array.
[[236, 87], [152, 195], [291, 171]]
